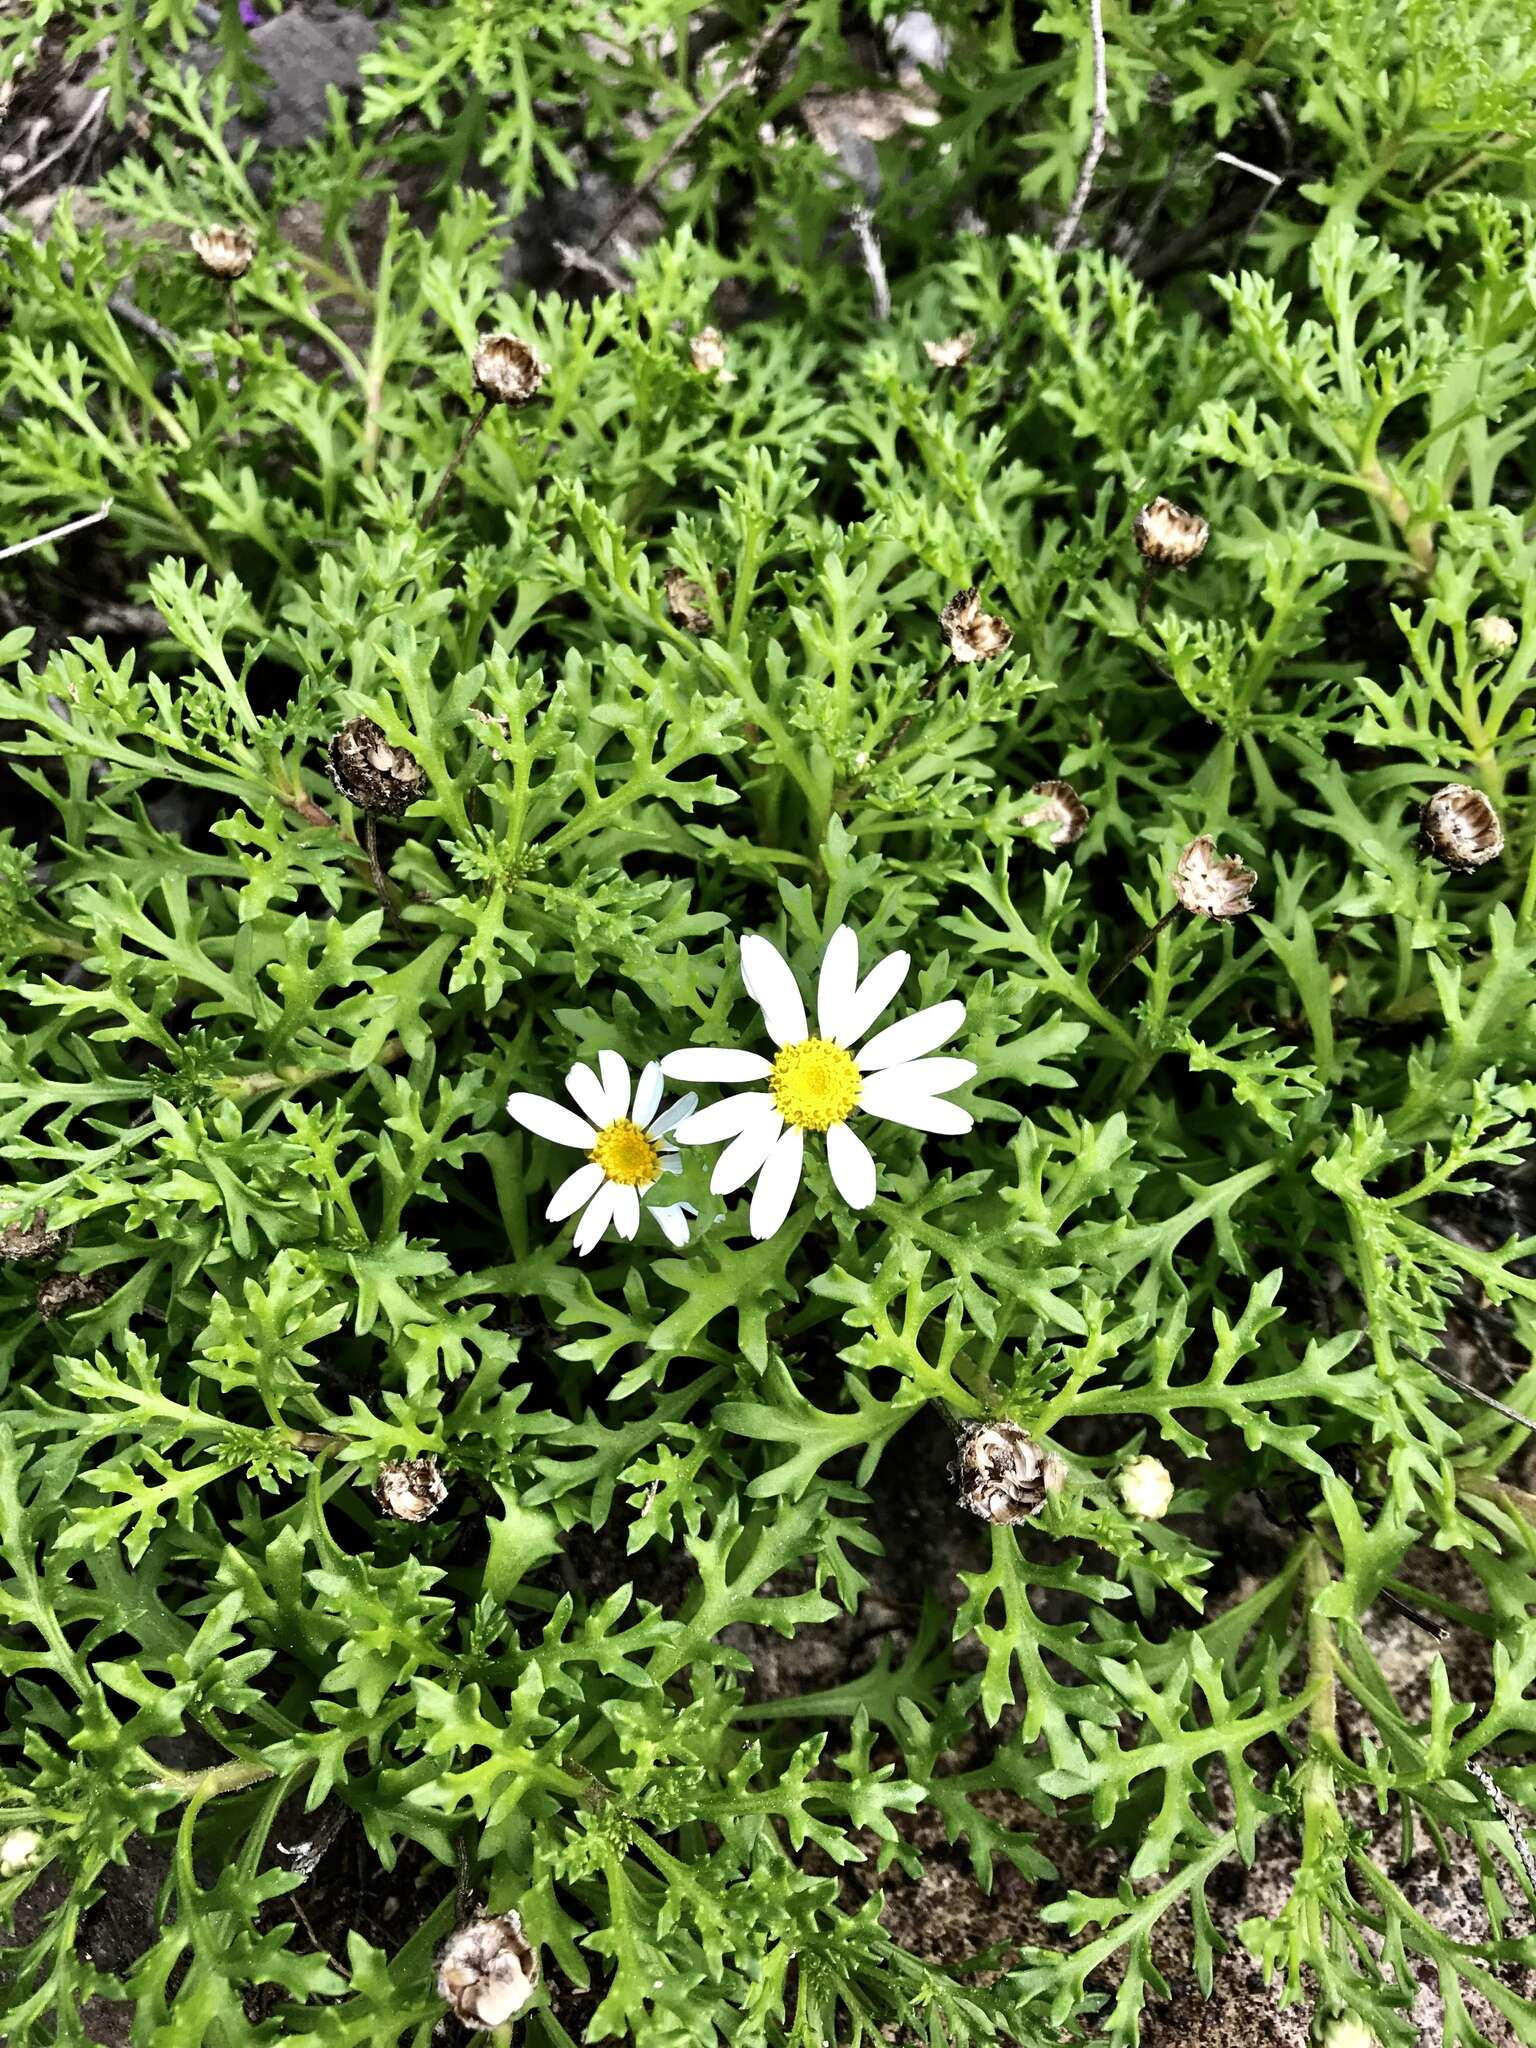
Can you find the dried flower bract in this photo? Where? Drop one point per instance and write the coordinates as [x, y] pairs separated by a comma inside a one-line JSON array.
[[707, 352], [1060, 809], [687, 601], [488, 1970], [32, 1243], [1168, 536], [226, 252], [411, 1489], [953, 354], [508, 370], [1461, 828], [62, 1293], [1004, 1475], [973, 635], [372, 773], [1496, 634], [1212, 884]]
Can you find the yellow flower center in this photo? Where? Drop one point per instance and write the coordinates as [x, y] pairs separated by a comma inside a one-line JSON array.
[[814, 1084], [626, 1154]]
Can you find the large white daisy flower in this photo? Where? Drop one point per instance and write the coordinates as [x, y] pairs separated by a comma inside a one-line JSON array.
[[626, 1146], [816, 1083]]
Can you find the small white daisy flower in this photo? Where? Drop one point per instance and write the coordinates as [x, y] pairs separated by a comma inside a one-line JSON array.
[[816, 1083], [626, 1146]]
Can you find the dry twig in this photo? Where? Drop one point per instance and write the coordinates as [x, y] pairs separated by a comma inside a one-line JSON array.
[[1069, 227], [40, 540]]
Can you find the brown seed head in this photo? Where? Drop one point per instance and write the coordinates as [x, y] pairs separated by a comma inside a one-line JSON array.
[[370, 772], [1061, 809], [1168, 536], [707, 351], [1461, 828], [1496, 634], [226, 252], [488, 1970], [1004, 1475], [411, 1489], [953, 354], [508, 370], [62, 1293], [973, 635], [34, 1242], [1212, 884], [687, 601]]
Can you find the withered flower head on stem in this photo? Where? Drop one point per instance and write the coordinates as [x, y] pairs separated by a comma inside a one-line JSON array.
[[508, 370], [370, 772], [1169, 537], [1060, 809], [1461, 827], [952, 354], [1212, 884], [62, 1293], [488, 1970], [33, 1243], [411, 1489], [707, 353], [687, 601], [973, 635], [226, 252], [1004, 1475]]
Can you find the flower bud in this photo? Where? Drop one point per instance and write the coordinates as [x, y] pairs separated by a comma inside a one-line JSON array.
[[488, 1970], [1061, 810], [1461, 828], [687, 601], [707, 353], [1212, 884], [226, 252], [508, 370], [34, 1243], [1004, 1475], [411, 1489], [973, 635], [1349, 2032], [953, 354], [370, 772], [62, 1293], [1168, 536], [17, 1849], [1146, 1488], [1496, 635]]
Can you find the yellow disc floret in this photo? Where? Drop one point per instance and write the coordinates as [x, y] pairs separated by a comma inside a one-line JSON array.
[[814, 1084], [626, 1154]]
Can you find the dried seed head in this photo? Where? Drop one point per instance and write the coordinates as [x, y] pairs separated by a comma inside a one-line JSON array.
[[488, 1970], [32, 1243], [1496, 634], [953, 354], [370, 772], [687, 601], [61, 1293], [226, 252], [1146, 1488], [1212, 884], [508, 370], [1004, 1475], [1349, 2033], [411, 1489], [707, 350], [1060, 809], [17, 1849], [1461, 828], [1168, 536], [973, 635]]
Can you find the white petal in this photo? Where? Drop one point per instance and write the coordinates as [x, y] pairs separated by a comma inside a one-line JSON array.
[[670, 1163], [715, 1063], [853, 1166], [913, 1036], [669, 1119], [673, 1218], [647, 1094], [724, 1119], [838, 979], [615, 1073], [892, 1096], [595, 1219], [575, 1189], [769, 982], [776, 1184], [626, 1211], [589, 1094], [744, 1155], [875, 994], [552, 1120], [924, 1077]]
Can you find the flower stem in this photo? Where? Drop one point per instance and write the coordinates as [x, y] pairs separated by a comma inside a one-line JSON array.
[[376, 869], [1138, 949], [459, 454]]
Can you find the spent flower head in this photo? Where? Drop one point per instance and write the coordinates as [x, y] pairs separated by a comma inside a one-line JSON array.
[[1212, 884], [1060, 812], [627, 1140], [952, 354], [1460, 826], [1169, 537], [973, 635], [34, 1243], [687, 601], [508, 370], [371, 772], [1004, 1474], [224, 252], [706, 351], [411, 1489], [488, 1970]]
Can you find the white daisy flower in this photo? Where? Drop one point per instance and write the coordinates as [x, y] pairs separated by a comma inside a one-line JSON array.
[[817, 1082], [627, 1146]]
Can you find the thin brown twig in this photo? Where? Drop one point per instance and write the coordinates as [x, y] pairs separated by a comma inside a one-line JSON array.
[[739, 77], [376, 869], [1096, 140], [41, 540], [1138, 949]]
